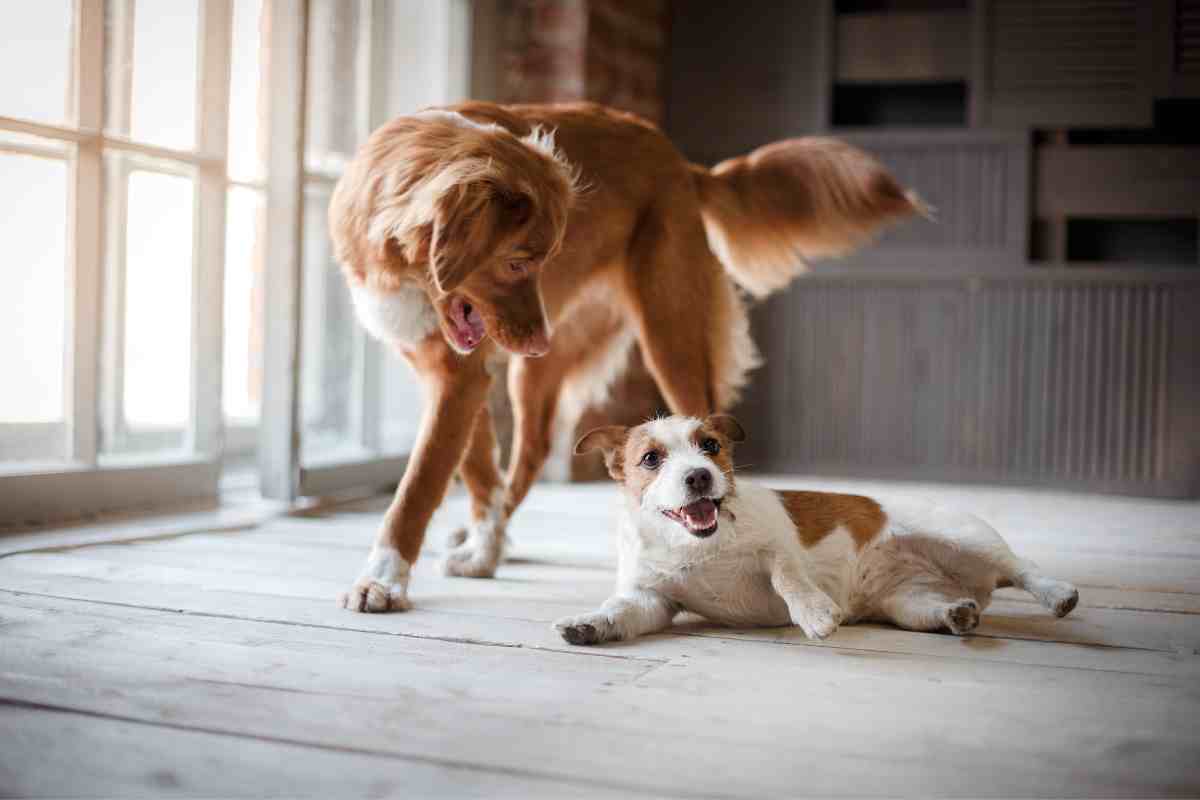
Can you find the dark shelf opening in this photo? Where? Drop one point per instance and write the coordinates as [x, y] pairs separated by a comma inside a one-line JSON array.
[[1156, 242], [1176, 122], [939, 105], [875, 6]]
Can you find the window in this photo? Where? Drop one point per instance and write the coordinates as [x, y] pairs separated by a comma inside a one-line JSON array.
[[144, 209]]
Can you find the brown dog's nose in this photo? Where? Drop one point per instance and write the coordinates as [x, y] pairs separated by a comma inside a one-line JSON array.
[[699, 480]]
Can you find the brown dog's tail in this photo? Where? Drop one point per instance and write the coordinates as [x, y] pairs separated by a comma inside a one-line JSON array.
[[766, 212]]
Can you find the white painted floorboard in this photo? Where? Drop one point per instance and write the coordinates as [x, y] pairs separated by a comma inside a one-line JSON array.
[[216, 663]]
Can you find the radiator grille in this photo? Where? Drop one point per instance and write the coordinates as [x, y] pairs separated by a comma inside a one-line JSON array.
[[1024, 381], [1187, 37], [1065, 45], [1061, 63]]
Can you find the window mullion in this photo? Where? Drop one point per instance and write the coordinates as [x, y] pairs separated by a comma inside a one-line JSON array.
[[368, 361], [116, 117], [208, 271], [279, 431], [85, 217]]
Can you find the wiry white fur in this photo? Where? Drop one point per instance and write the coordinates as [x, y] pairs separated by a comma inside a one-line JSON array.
[[382, 584], [927, 568], [668, 491], [403, 317]]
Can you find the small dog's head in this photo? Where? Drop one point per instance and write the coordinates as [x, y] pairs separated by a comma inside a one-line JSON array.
[[470, 211], [676, 471]]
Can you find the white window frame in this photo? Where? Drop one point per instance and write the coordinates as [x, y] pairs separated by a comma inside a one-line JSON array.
[[87, 481], [383, 33]]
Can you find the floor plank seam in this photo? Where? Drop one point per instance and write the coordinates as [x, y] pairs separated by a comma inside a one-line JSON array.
[[587, 652], [972, 658], [364, 751]]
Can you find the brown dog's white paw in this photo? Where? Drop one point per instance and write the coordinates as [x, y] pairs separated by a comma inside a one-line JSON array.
[[382, 586], [478, 555], [368, 596]]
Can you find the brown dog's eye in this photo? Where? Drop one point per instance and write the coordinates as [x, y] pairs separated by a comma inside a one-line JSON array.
[[520, 267], [711, 446], [651, 460]]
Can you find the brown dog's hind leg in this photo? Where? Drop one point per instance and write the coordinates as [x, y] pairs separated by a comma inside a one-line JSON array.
[[476, 550], [683, 306], [533, 387], [457, 389]]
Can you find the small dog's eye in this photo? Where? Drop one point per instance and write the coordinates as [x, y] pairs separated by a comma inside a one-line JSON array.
[[651, 460], [520, 267], [711, 446]]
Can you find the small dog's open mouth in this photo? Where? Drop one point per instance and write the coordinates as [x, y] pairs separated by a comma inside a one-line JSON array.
[[699, 517], [466, 325]]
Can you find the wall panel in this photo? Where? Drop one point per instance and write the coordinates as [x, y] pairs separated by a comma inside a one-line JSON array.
[[1076, 381]]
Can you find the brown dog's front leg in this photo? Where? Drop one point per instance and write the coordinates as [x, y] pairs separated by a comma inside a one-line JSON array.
[[457, 390]]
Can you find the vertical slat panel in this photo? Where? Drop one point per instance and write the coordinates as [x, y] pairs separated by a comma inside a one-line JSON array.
[[1026, 380]]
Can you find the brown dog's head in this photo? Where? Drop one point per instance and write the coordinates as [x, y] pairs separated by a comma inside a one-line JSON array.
[[469, 211], [676, 471]]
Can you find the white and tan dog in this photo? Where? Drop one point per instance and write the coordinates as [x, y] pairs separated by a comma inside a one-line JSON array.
[[691, 539]]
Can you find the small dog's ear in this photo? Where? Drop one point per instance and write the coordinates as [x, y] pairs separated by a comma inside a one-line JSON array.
[[726, 425], [610, 439]]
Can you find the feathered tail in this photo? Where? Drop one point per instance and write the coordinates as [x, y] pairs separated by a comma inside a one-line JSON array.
[[766, 212]]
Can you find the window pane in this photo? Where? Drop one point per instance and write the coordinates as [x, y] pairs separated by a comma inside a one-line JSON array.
[[332, 128], [244, 241], [327, 337], [246, 152], [35, 60], [163, 90], [158, 310], [33, 212]]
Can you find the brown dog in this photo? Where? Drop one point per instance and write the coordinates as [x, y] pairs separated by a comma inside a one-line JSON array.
[[479, 229]]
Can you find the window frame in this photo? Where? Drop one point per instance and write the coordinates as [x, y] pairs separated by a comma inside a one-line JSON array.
[[87, 481]]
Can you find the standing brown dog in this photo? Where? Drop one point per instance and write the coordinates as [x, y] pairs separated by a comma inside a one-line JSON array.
[[474, 230]]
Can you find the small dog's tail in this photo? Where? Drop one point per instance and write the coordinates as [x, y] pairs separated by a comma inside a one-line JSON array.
[[766, 212]]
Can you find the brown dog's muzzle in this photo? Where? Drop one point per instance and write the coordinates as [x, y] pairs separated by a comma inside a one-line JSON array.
[[517, 322]]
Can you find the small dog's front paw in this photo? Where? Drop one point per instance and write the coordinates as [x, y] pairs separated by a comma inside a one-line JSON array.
[[818, 617], [382, 586], [586, 629], [962, 617]]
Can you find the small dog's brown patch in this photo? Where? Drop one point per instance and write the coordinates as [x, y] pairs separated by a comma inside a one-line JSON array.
[[818, 514]]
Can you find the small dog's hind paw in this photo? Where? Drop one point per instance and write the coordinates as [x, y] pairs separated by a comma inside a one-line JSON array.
[[819, 619], [962, 617], [586, 629]]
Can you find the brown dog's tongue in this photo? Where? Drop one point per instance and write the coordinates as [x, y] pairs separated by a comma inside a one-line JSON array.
[[701, 514]]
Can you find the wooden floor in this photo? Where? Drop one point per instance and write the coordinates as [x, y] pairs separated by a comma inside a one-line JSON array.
[[217, 664]]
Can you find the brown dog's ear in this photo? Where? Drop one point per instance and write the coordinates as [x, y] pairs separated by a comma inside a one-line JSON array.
[[727, 426], [465, 224], [610, 439]]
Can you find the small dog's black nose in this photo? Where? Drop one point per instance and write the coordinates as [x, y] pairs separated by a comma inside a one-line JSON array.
[[699, 480]]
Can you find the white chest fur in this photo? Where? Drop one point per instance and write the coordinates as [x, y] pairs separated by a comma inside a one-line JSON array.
[[403, 317]]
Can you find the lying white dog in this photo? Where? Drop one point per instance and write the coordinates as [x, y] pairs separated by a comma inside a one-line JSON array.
[[691, 539]]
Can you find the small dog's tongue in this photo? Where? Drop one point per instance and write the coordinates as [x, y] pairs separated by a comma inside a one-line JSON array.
[[700, 515]]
